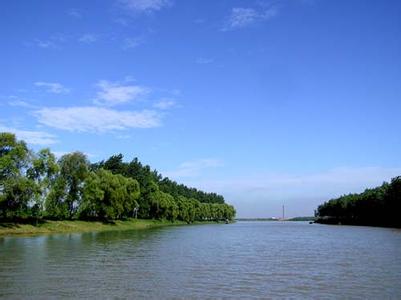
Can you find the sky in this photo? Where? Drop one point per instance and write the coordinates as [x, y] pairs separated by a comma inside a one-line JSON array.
[[269, 103]]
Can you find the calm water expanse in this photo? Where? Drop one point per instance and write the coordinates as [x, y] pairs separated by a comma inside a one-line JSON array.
[[242, 260]]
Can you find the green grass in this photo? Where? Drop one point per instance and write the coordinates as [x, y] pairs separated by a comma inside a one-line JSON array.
[[46, 227]]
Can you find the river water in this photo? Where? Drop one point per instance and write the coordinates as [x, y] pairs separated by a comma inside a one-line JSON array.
[[234, 261]]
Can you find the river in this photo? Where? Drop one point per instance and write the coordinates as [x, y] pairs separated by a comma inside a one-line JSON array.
[[229, 261]]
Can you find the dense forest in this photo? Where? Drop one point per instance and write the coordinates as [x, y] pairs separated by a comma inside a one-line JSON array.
[[38, 186], [380, 206]]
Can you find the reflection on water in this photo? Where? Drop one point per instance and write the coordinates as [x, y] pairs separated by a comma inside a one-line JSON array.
[[246, 259]]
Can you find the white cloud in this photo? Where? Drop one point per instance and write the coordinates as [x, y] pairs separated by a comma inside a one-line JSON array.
[[96, 119], [46, 44], [53, 42], [112, 93], [204, 60], [74, 13], [242, 17], [146, 6], [164, 104], [19, 103], [193, 168], [131, 43], [199, 21], [31, 137], [129, 78], [88, 38], [53, 87], [121, 21]]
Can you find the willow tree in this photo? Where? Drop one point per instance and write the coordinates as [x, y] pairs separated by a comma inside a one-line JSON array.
[[108, 196], [64, 198], [43, 172], [16, 190]]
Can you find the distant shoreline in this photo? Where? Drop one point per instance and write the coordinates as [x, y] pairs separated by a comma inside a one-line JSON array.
[[353, 222], [305, 219]]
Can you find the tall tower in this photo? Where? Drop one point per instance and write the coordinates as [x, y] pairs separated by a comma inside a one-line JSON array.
[[283, 212]]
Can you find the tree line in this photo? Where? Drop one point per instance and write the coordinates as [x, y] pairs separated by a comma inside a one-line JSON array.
[[380, 206], [37, 185]]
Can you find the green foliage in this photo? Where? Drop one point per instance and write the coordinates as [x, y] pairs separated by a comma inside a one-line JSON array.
[[163, 206], [55, 205], [380, 206], [36, 185], [43, 172], [17, 191], [14, 156], [15, 198], [108, 196], [73, 169], [168, 186]]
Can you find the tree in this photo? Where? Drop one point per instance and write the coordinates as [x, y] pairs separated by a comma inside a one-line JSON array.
[[380, 206], [108, 196], [67, 193], [164, 206], [14, 156], [16, 190], [15, 197], [43, 172], [36, 185], [115, 164], [56, 206]]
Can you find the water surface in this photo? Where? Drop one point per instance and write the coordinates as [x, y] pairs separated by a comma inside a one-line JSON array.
[[242, 260]]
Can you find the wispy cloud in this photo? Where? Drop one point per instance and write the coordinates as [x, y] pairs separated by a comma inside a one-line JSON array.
[[204, 60], [88, 38], [146, 6], [45, 44], [114, 93], [199, 21], [75, 13], [21, 103], [96, 119], [193, 168], [131, 43], [121, 21], [31, 137], [52, 42], [18, 102], [242, 17], [53, 87], [164, 104]]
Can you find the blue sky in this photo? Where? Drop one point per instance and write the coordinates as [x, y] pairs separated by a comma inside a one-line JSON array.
[[267, 102]]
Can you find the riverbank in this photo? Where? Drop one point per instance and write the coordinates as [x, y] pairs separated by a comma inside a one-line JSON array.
[[356, 222], [47, 226]]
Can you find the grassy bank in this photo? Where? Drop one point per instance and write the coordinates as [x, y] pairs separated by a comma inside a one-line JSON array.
[[46, 227]]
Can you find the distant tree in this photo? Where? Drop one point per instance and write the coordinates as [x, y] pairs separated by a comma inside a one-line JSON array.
[[378, 206], [393, 202], [116, 165], [36, 185]]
